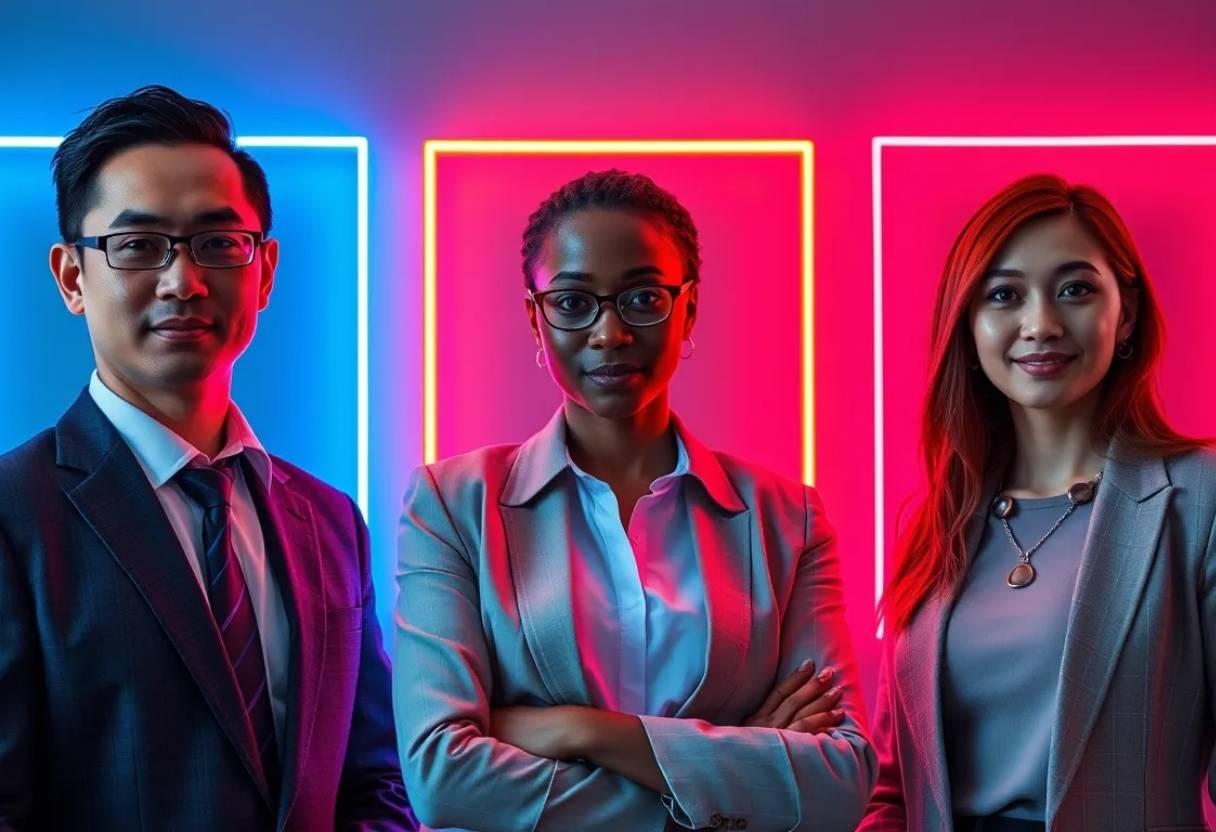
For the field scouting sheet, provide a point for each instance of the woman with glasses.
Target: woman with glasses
(612, 626)
(1052, 617)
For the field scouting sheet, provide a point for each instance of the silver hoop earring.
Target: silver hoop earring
(540, 358)
(692, 349)
(1124, 350)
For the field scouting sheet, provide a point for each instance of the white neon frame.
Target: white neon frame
(877, 145)
(359, 145)
(805, 150)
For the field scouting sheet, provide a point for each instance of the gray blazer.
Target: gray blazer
(484, 619)
(1134, 728)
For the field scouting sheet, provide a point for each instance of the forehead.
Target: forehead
(1044, 243)
(597, 239)
(173, 181)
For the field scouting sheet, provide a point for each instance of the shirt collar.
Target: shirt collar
(161, 452)
(544, 456)
(680, 470)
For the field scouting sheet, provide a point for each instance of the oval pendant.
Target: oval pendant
(1021, 576)
(1082, 492)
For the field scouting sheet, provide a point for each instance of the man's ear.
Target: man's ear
(268, 253)
(66, 268)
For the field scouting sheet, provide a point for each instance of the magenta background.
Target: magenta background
(741, 389)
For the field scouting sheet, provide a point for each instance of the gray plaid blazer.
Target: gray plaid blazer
(1134, 727)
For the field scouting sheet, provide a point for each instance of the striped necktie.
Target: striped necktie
(231, 604)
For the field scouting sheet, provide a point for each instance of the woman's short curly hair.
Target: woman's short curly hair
(614, 190)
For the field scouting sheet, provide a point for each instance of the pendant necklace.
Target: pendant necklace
(1023, 574)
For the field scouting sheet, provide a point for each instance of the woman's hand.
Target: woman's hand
(803, 702)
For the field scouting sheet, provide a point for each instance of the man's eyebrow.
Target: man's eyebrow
(132, 217)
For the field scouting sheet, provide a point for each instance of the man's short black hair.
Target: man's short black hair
(150, 115)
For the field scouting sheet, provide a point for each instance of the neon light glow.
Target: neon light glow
(803, 151)
(359, 145)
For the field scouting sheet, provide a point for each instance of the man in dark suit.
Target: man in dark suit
(187, 630)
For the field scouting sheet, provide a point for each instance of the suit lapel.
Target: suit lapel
(117, 501)
(536, 521)
(1119, 552)
(294, 554)
(538, 545)
(918, 663)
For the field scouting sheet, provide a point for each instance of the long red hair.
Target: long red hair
(966, 418)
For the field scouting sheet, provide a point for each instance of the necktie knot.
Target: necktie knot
(209, 486)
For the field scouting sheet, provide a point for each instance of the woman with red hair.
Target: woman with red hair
(1052, 616)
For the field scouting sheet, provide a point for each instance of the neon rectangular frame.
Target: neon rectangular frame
(359, 145)
(877, 146)
(433, 148)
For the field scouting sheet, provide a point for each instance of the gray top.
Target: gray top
(1001, 667)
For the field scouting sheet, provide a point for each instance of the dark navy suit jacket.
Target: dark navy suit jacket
(118, 709)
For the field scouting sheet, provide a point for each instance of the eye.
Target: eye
(220, 242)
(570, 303)
(1002, 294)
(644, 298)
(136, 244)
(1077, 289)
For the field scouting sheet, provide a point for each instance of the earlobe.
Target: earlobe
(1128, 313)
(270, 263)
(65, 268)
(528, 302)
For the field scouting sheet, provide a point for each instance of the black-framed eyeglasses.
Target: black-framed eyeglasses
(574, 309)
(224, 249)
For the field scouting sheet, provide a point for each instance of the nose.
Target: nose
(609, 331)
(181, 278)
(1040, 321)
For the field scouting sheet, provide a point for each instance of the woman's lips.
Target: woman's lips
(1044, 365)
(615, 376)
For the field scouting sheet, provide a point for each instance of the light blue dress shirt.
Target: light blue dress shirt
(639, 599)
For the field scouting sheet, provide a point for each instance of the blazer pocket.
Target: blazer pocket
(345, 620)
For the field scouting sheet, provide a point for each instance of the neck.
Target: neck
(639, 447)
(1055, 449)
(195, 412)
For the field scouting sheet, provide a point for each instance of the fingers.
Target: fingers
(808, 692)
(818, 723)
(784, 689)
(820, 705)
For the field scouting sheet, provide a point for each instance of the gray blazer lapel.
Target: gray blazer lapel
(117, 501)
(1119, 552)
(724, 554)
(918, 665)
(918, 657)
(538, 544)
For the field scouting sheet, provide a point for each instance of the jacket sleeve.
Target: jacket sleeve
(371, 794)
(457, 774)
(886, 810)
(1207, 612)
(20, 711)
(774, 779)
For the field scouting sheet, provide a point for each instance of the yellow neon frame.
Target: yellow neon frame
(433, 148)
